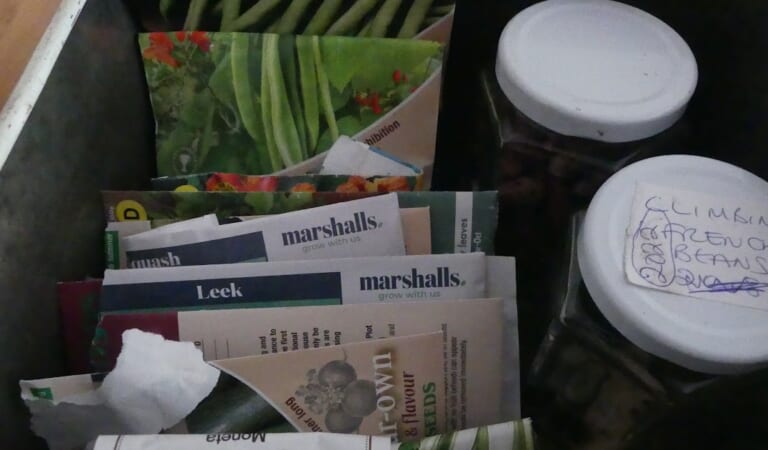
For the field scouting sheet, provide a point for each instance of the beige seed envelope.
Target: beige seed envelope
(388, 386)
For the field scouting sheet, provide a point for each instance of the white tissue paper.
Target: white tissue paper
(349, 157)
(155, 384)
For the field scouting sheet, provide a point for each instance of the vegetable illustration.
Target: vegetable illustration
(336, 392)
(359, 398)
(259, 103)
(337, 421)
(416, 15)
(286, 137)
(337, 374)
(308, 74)
(290, 20)
(378, 18)
(241, 82)
(196, 8)
(383, 18)
(323, 17)
(325, 94)
(346, 23)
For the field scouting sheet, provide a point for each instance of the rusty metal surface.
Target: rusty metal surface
(90, 129)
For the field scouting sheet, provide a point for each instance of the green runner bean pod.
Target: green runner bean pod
(323, 17)
(414, 19)
(194, 14)
(292, 16)
(230, 11)
(266, 112)
(283, 124)
(241, 82)
(383, 18)
(308, 76)
(325, 91)
(349, 21)
(252, 15)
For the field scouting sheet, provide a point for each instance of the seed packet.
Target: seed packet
(78, 309)
(295, 283)
(287, 283)
(461, 222)
(117, 233)
(392, 387)
(369, 226)
(243, 441)
(507, 436)
(263, 103)
(416, 233)
(474, 346)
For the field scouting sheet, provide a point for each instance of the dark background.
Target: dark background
(726, 121)
(726, 115)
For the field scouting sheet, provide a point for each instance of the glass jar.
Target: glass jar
(618, 358)
(580, 90)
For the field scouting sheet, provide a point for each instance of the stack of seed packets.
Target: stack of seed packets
(281, 276)
(326, 317)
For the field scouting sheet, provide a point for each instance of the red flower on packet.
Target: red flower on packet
(224, 182)
(303, 187)
(385, 184)
(260, 184)
(354, 184)
(161, 40)
(160, 47)
(399, 77)
(239, 183)
(391, 184)
(200, 38)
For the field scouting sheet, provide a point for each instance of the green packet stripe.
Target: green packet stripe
(112, 249)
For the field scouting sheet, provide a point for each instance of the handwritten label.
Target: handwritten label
(698, 245)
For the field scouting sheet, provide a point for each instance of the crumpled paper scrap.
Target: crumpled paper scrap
(349, 157)
(155, 384)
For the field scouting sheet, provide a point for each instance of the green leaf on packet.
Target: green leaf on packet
(251, 103)
(370, 66)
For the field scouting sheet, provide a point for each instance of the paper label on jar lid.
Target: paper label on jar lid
(698, 245)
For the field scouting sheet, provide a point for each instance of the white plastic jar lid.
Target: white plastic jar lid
(701, 335)
(595, 69)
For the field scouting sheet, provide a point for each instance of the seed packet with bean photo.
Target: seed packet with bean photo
(402, 18)
(264, 103)
(409, 130)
